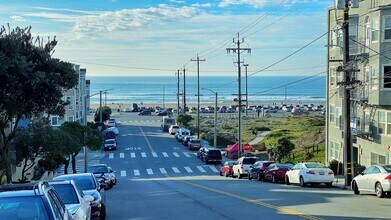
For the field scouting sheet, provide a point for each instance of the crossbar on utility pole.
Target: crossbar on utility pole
(239, 50)
(198, 93)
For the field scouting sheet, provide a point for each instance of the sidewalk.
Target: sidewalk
(259, 138)
(93, 157)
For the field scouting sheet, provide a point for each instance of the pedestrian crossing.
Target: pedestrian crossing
(149, 172)
(140, 121)
(152, 154)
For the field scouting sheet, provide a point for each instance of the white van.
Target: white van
(182, 133)
(167, 122)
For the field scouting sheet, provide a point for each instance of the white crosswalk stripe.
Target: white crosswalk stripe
(175, 154)
(188, 169)
(150, 171)
(121, 155)
(136, 172)
(187, 155)
(143, 154)
(111, 156)
(201, 169)
(165, 154)
(175, 170)
(213, 168)
(132, 155)
(154, 154)
(123, 173)
(163, 171)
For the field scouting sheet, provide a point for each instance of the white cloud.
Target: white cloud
(177, 1)
(253, 3)
(17, 18)
(199, 5)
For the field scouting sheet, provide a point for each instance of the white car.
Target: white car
(374, 179)
(242, 166)
(74, 199)
(111, 123)
(309, 172)
(113, 129)
(173, 129)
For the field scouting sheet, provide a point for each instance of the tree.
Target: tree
(32, 83)
(106, 112)
(281, 149)
(184, 120)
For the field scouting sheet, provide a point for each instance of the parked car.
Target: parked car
(309, 172)
(110, 135)
(127, 110)
(200, 151)
(90, 186)
(374, 179)
(211, 155)
(113, 129)
(31, 201)
(286, 108)
(135, 107)
(226, 169)
(194, 144)
(257, 169)
(276, 172)
(74, 199)
(111, 123)
(145, 112)
(186, 140)
(242, 166)
(110, 144)
(182, 133)
(102, 170)
(162, 113)
(173, 129)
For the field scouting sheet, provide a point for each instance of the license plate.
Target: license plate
(321, 173)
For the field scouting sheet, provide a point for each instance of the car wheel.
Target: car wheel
(287, 180)
(355, 188)
(259, 178)
(102, 214)
(329, 184)
(115, 181)
(111, 185)
(226, 174)
(239, 175)
(379, 190)
(302, 183)
(233, 175)
(221, 174)
(274, 179)
(249, 176)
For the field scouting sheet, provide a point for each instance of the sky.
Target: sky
(158, 37)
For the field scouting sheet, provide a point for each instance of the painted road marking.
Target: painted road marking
(163, 171)
(201, 169)
(165, 154)
(123, 173)
(213, 168)
(111, 155)
(149, 171)
(188, 169)
(121, 155)
(187, 155)
(175, 154)
(132, 155)
(143, 154)
(175, 170)
(136, 172)
(154, 154)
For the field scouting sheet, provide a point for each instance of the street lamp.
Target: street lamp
(215, 119)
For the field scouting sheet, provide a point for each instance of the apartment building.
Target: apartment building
(370, 57)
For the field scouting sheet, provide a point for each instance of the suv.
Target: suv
(31, 201)
(173, 129)
(242, 166)
(90, 186)
(211, 155)
(194, 144)
(102, 170)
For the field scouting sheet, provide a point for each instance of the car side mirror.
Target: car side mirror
(111, 171)
(362, 173)
(88, 198)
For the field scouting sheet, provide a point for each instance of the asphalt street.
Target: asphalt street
(159, 178)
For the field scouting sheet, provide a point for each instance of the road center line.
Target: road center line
(145, 137)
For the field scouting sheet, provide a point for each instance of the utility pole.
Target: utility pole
(184, 90)
(178, 94)
(239, 50)
(285, 97)
(164, 94)
(245, 66)
(100, 107)
(198, 94)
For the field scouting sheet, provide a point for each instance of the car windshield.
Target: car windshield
(214, 153)
(315, 165)
(84, 182)
(67, 193)
(387, 168)
(97, 169)
(195, 141)
(249, 160)
(22, 207)
(230, 163)
(110, 142)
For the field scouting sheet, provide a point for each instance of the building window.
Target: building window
(335, 149)
(77, 115)
(381, 128)
(377, 159)
(353, 29)
(387, 28)
(54, 121)
(387, 77)
(70, 105)
(374, 79)
(332, 114)
(388, 127)
(374, 3)
(332, 77)
(337, 116)
(375, 30)
(70, 119)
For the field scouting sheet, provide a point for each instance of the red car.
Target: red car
(276, 172)
(226, 169)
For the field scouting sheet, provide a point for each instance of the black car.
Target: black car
(211, 155)
(164, 113)
(31, 201)
(145, 112)
(256, 172)
(90, 186)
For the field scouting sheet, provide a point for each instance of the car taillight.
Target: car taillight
(388, 177)
(331, 172)
(310, 172)
(241, 166)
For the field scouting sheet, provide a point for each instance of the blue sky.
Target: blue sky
(148, 38)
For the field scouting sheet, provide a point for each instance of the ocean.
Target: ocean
(159, 89)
